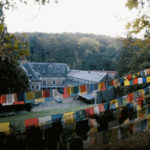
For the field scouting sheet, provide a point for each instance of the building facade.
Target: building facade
(58, 75)
(46, 75)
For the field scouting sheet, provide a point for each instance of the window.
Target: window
(44, 73)
(37, 86)
(63, 82)
(44, 83)
(54, 82)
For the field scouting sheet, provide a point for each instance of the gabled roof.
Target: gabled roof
(112, 74)
(87, 75)
(37, 70)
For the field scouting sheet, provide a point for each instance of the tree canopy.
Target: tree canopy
(135, 52)
(79, 51)
(12, 49)
(142, 20)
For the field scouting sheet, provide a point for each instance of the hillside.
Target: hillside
(79, 51)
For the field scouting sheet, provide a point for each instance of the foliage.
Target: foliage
(134, 57)
(79, 51)
(142, 21)
(7, 4)
(12, 78)
(89, 45)
(135, 52)
(12, 49)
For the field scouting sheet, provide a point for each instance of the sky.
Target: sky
(105, 17)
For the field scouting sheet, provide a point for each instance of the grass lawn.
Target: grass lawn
(17, 121)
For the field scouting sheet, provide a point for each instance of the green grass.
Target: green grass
(17, 121)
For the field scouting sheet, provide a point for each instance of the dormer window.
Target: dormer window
(44, 73)
(50, 66)
(54, 73)
(30, 76)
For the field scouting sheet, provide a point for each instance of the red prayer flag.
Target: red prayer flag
(148, 71)
(2, 99)
(135, 81)
(111, 82)
(66, 94)
(19, 103)
(89, 111)
(130, 98)
(46, 93)
(140, 100)
(129, 77)
(103, 88)
(83, 88)
(31, 122)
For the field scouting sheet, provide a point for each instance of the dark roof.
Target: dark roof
(29, 71)
(37, 69)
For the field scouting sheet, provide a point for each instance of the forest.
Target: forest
(79, 51)
(89, 51)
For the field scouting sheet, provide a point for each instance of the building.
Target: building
(46, 75)
(57, 75)
(78, 77)
(112, 74)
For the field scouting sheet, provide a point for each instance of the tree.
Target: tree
(12, 49)
(142, 21)
(135, 52)
(7, 4)
(89, 45)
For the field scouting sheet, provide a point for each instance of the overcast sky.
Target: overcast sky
(107, 17)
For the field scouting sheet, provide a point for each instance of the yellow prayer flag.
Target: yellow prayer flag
(39, 100)
(138, 74)
(29, 95)
(139, 107)
(134, 76)
(100, 86)
(4, 127)
(115, 101)
(126, 82)
(69, 118)
(148, 79)
(141, 92)
(116, 83)
(69, 90)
